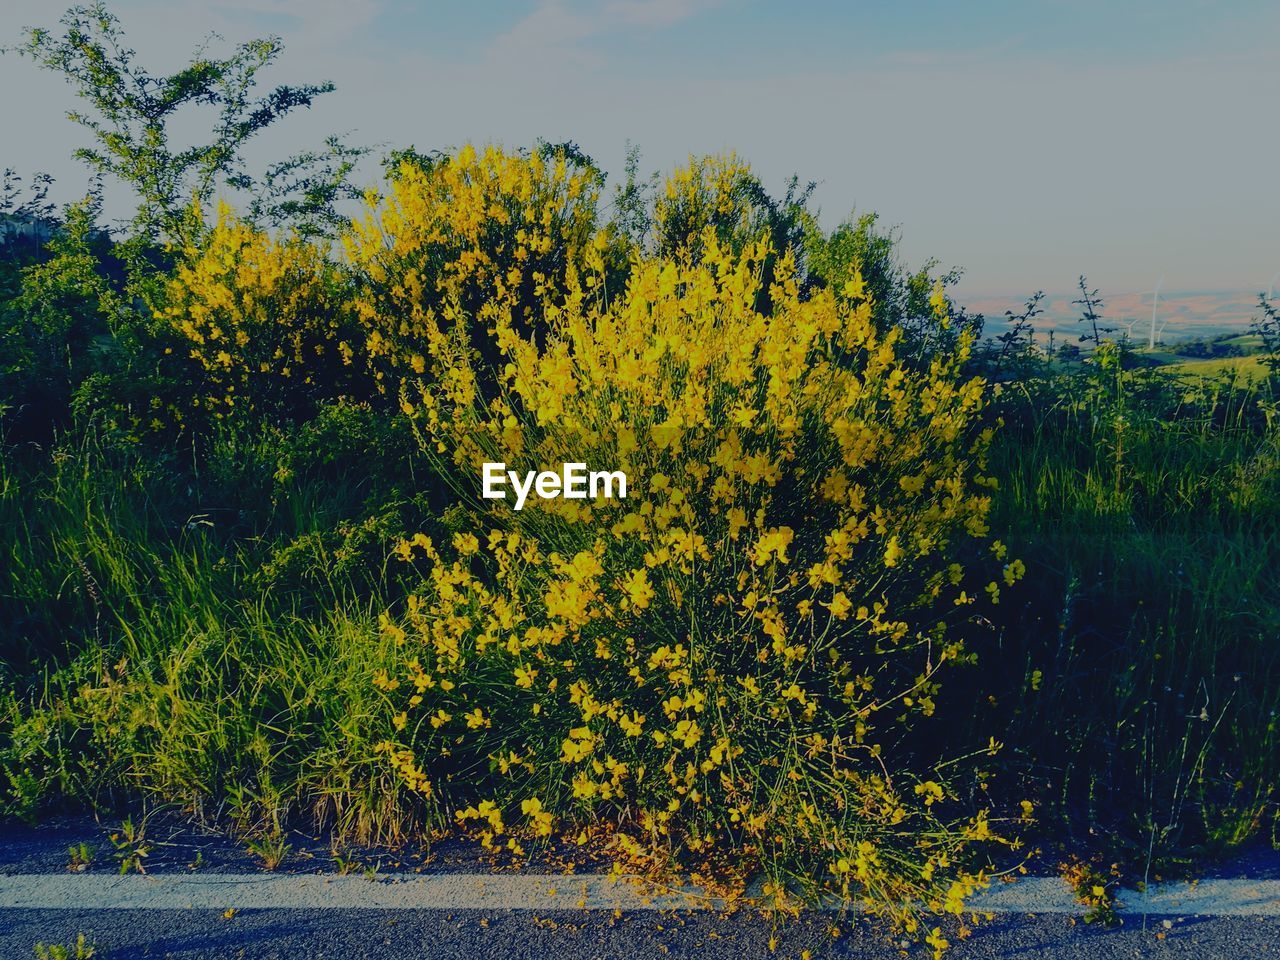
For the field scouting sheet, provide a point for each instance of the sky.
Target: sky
(1025, 141)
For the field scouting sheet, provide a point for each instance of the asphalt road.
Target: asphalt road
(572, 935)
(31, 858)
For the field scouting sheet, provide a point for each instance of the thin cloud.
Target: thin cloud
(557, 26)
(309, 18)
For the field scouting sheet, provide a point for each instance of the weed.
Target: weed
(344, 864)
(131, 848)
(79, 857)
(271, 850)
(1095, 890)
(81, 949)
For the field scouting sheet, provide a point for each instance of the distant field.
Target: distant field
(1247, 367)
(1250, 340)
(1181, 315)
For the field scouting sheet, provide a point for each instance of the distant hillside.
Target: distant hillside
(1180, 316)
(20, 228)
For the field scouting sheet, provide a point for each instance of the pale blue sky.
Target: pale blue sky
(1026, 142)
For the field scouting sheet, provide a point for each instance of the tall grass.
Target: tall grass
(1139, 674)
(184, 662)
(207, 638)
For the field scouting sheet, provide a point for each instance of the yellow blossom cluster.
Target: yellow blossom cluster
(714, 192)
(266, 321)
(459, 254)
(731, 657)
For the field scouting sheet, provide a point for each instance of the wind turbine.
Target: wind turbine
(1271, 289)
(1155, 303)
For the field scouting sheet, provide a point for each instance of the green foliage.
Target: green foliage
(181, 678)
(81, 343)
(26, 203)
(1012, 354)
(80, 949)
(131, 113)
(84, 338)
(57, 327)
(1223, 345)
(79, 857)
(131, 847)
(1094, 327)
(900, 297)
(271, 849)
(1267, 327)
(633, 200)
(25, 215)
(1144, 637)
(303, 192)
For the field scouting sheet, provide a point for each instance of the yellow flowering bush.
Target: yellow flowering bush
(460, 250)
(734, 660)
(267, 322)
(719, 192)
(737, 662)
(721, 196)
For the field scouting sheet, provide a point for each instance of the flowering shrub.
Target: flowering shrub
(736, 663)
(720, 196)
(463, 250)
(267, 321)
(733, 660)
(719, 192)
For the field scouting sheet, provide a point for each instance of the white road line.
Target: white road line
(1030, 895)
(314, 891)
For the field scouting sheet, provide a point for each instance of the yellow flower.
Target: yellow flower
(936, 940)
(893, 552)
(1014, 571)
(539, 818)
(773, 544)
(637, 588)
(742, 415)
(840, 605)
(932, 792)
(855, 286)
(578, 745)
(631, 724)
(912, 485)
(688, 732)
